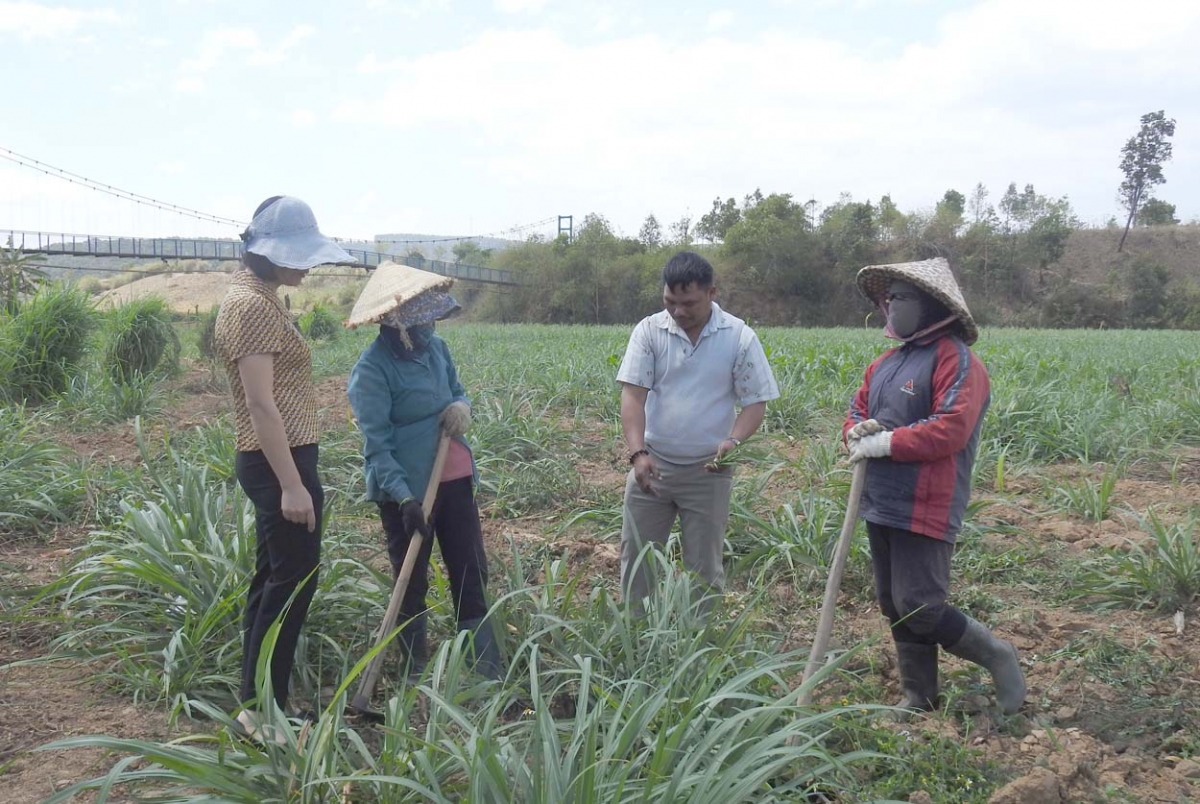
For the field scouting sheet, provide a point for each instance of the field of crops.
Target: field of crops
(125, 547)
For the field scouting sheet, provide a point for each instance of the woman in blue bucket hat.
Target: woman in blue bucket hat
(274, 400)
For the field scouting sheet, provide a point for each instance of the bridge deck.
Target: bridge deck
(174, 248)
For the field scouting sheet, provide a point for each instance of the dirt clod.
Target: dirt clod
(1039, 786)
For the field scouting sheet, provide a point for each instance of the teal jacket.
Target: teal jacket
(397, 403)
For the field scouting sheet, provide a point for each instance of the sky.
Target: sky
(455, 117)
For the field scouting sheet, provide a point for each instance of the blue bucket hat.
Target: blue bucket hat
(286, 233)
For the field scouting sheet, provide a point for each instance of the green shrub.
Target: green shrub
(1148, 295)
(320, 323)
(42, 345)
(139, 338)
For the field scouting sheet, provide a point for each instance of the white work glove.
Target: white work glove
(455, 419)
(875, 445)
(869, 427)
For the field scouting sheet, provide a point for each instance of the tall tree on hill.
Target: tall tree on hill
(1141, 161)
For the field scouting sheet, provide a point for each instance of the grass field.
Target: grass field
(124, 550)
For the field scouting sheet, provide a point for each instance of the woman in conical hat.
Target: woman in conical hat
(917, 418)
(405, 391)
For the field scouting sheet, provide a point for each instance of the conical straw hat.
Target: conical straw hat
(390, 286)
(932, 276)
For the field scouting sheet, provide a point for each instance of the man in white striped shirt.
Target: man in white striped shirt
(686, 372)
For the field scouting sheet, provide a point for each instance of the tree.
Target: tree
(713, 224)
(978, 205)
(1141, 161)
(18, 276)
(681, 232)
(1156, 212)
(468, 252)
(947, 220)
(651, 234)
(850, 233)
(892, 222)
(773, 244)
(1046, 239)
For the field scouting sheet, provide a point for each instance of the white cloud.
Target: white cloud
(1007, 90)
(370, 64)
(171, 168)
(412, 9)
(33, 20)
(303, 118)
(520, 6)
(719, 20)
(224, 44)
(279, 53)
(134, 86)
(189, 84)
(215, 44)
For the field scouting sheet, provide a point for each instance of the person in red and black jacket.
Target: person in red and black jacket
(917, 418)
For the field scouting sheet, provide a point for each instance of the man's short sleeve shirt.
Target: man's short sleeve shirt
(695, 388)
(253, 321)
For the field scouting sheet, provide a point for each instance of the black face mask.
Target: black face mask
(906, 306)
(420, 335)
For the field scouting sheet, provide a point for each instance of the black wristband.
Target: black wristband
(633, 456)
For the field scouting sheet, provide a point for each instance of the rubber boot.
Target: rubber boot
(415, 645)
(487, 651)
(918, 666)
(981, 646)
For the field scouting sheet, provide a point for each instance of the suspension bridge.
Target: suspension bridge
(221, 250)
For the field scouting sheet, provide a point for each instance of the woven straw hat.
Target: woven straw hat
(390, 286)
(932, 276)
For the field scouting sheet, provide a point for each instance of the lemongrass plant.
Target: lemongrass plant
(598, 705)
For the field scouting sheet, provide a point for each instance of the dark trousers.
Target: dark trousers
(912, 580)
(457, 530)
(288, 556)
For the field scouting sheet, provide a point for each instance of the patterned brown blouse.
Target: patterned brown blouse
(253, 321)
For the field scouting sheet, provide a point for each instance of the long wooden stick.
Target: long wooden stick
(834, 583)
(366, 687)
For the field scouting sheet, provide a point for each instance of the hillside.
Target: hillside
(1091, 255)
(183, 293)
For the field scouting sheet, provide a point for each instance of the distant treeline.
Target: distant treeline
(1024, 261)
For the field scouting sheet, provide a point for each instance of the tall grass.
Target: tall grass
(44, 343)
(41, 483)
(155, 599)
(140, 340)
(320, 323)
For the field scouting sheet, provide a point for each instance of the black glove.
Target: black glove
(414, 519)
